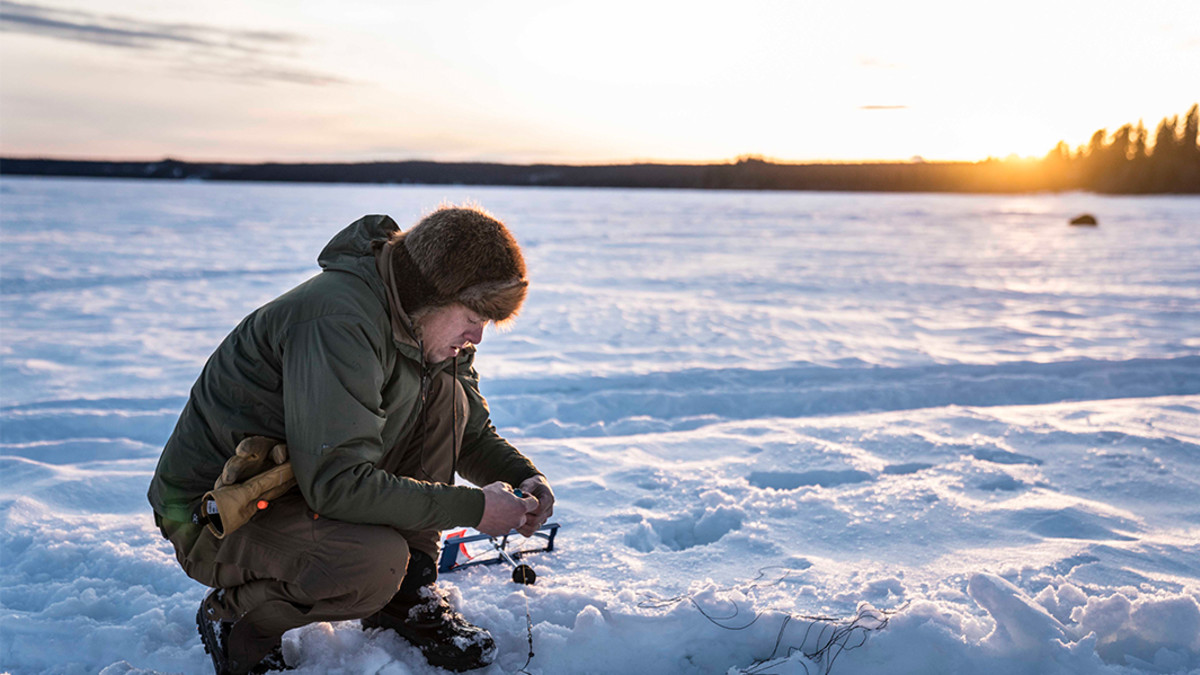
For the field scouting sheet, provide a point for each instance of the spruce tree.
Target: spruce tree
(1094, 163)
(1190, 125)
(1138, 164)
(1188, 178)
(1114, 171)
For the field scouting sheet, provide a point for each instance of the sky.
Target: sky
(585, 82)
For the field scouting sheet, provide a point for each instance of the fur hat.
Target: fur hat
(463, 255)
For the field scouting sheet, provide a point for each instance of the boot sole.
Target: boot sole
(209, 639)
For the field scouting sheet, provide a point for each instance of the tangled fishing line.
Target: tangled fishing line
(824, 638)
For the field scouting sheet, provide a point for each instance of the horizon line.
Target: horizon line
(916, 159)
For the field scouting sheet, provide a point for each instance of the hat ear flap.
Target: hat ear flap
(496, 300)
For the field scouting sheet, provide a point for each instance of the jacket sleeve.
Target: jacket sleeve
(486, 457)
(332, 383)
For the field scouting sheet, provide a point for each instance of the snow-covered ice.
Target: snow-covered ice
(971, 426)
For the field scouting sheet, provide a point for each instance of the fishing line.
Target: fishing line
(829, 647)
(835, 635)
(529, 629)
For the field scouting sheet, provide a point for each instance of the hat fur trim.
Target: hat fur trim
(499, 301)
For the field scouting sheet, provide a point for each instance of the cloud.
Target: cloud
(251, 72)
(231, 53)
(883, 107)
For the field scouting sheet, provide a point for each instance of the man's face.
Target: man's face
(446, 330)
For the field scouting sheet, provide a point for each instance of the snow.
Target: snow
(933, 433)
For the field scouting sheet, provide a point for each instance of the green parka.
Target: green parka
(320, 368)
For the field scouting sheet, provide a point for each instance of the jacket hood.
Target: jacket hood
(352, 250)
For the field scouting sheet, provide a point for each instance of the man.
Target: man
(361, 380)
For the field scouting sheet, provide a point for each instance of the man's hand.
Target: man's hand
(537, 487)
(503, 511)
(254, 455)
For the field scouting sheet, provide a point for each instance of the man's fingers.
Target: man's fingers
(533, 525)
(254, 447)
(235, 468)
(505, 511)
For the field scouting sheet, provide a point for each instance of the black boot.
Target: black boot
(214, 634)
(422, 616)
(445, 638)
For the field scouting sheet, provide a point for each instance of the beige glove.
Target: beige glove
(252, 456)
(258, 472)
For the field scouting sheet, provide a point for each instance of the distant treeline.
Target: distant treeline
(1124, 162)
(747, 173)
(1127, 162)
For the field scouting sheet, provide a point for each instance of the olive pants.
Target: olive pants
(288, 566)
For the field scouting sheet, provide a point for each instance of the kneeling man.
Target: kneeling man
(359, 383)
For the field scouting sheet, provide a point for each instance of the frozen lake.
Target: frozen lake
(955, 408)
